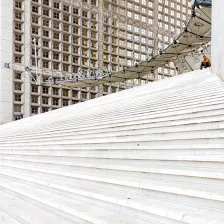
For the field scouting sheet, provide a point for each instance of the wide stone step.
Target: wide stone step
(131, 172)
(166, 113)
(5, 218)
(168, 209)
(153, 154)
(149, 105)
(211, 115)
(185, 107)
(25, 212)
(109, 162)
(205, 118)
(158, 105)
(217, 155)
(208, 136)
(118, 115)
(89, 188)
(180, 144)
(81, 209)
(218, 123)
(192, 119)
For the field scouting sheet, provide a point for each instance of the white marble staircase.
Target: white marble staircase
(153, 154)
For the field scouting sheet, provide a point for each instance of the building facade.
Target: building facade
(73, 37)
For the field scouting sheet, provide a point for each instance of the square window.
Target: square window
(65, 103)
(18, 4)
(34, 110)
(45, 90)
(56, 5)
(17, 97)
(44, 100)
(55, 102)
(55, 91)
(17, 108)
(66, 8)
(34, 99)
(18, 86)
(46, 2)
(34, 89)
(45, 109)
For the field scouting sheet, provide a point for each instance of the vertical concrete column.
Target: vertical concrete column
(155, 34)
(60, 99)
(155, 75)
(6, 56)
(109, 89)
(218, 39)
(100, 35)
(100, 42)
(80, 94)
(27, 60)
(155, 25)
(50, 98)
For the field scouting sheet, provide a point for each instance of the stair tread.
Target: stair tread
(167, 111)
(163, 185)
(7, 219)
(116, 132)
(27, 212)
(152, 205)
(205, 135)
(81, 209)
(170, 155)
(183, 117)
(149, 155)
(119, 165)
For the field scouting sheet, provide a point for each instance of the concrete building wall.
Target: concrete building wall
(78, 36)
(6, 49)
(27, 52)
(218, 39)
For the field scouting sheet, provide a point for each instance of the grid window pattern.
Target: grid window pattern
(71, 39)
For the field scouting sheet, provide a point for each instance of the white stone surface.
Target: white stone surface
(6, 56)
(152, 154)
(218, 39)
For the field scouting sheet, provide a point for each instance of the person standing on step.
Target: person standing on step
(21, 116)
(205, 62)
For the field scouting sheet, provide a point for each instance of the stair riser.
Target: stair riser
(111, 163)
(151, 213)
(167, 112)
(182, 114)
(211, 203)
(129, 178)
(169, 155)
(217, 118)
(116, 132)
(59, 212)
(143, 156)
(197, 137)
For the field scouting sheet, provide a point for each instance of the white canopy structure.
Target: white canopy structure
(204, 3)
(195, 35)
